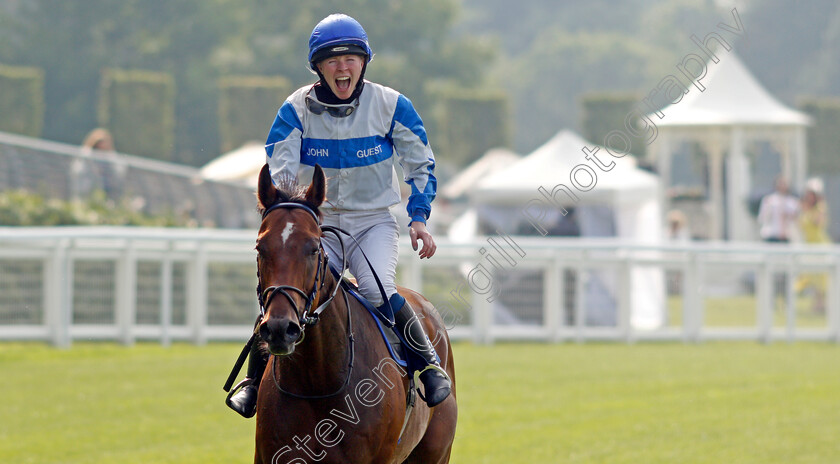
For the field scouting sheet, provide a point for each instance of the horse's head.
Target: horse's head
(291, 263)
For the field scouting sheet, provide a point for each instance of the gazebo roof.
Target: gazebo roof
(732, 97)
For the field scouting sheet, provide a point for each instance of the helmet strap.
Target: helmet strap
(325, 94)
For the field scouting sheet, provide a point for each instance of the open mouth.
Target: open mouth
(342, 84)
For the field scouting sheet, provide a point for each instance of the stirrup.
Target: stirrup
(236, 388)
(433, 367)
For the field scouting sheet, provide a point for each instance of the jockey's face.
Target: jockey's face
(342, 73)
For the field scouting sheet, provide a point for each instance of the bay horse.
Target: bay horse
(331, 392)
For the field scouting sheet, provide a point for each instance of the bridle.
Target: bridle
(309, 317)
(306, 317)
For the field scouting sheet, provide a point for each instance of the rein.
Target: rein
(351, 356)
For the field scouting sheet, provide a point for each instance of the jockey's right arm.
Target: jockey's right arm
(282, 148)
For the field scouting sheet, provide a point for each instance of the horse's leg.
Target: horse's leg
(436, 444)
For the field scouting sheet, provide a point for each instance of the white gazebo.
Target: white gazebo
(727, 120)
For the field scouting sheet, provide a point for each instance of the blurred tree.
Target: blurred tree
(411, 41)
(198, 41)
(670, 24)
(520, 23)
(823, 135)
(561, 50)
(561, 67)
(73, 41)
(549, 52)
(803, 58)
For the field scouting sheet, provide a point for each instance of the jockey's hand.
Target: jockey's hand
(417, 230)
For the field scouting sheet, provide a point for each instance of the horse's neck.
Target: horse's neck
(320, 361)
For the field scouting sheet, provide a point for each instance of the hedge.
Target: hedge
(823, 135)
(22, 208)
(470, 123)
(21, 100)
(138, 107)
(604, 112)
(247, 106)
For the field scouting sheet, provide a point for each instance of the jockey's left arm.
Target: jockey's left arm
(418, 164)
(417, 230)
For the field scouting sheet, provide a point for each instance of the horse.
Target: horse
(331, 392)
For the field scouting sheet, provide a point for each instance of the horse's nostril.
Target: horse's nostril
(280, 333)
(292, 332)
(265, 334)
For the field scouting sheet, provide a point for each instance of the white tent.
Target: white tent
(623, 203)
(625, 192)
(494, 160)
(732, 112)
(241, 165)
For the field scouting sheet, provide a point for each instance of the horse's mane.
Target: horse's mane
(290, 191)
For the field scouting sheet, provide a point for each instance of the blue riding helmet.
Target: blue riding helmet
(338, 34)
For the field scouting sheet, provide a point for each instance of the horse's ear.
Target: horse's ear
(317, 191)
(266, 192)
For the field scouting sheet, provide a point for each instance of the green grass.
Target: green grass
(528, 403)
(742, 311)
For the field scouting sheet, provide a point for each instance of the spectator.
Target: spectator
(777, 223)
(777, 214)
(107, 170)
(812, 224)
(677, 226)
(99, 139)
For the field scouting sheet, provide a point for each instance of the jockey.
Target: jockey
(356, 129)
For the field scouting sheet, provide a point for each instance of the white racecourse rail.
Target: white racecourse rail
(62, 284)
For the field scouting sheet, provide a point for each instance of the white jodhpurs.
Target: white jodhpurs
(378, 234)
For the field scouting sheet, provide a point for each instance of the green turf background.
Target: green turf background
(519, 403)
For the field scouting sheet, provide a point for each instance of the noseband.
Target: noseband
(307, 317)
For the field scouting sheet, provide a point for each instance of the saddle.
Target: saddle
(398, 348)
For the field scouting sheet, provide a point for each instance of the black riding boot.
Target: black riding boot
(435, 380)
(245, 400)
